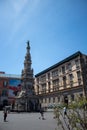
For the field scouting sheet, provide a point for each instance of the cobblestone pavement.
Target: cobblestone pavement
(28, 121)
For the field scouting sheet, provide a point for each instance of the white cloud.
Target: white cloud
(18, 6)
(17, 14)
(23, 10)
(24, 6)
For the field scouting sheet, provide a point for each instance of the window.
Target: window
(53, 99)
(55, 84)
(70, 77)
(78, 74)
(63, 69)
(49, 86)
(45, 100)
(48, 75)
(44, 88)
(55, 73)
(77, 64)
(43, 78)
(71, 80)
(64, 81)
(49, 99)
(59, 71)
(69, 66)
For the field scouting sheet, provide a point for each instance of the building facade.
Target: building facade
(9, 85)
(62, 82)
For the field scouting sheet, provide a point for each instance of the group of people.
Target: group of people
(5, 111)
(41, 112)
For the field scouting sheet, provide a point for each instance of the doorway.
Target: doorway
(66, 100)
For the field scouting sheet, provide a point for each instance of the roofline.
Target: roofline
(60, 63)
(13, 76)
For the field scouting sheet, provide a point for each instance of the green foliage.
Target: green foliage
(80, 103)
(76, 118)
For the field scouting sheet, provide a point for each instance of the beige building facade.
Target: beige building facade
(62, 82)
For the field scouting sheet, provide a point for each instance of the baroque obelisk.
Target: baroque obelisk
(26, 99)
(27, 74)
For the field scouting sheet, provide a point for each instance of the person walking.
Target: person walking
(65, 111)
(5, 114)
(42, 114)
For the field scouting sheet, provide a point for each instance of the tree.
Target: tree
(76, 118)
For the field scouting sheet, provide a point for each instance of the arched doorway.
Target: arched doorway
(66, 99)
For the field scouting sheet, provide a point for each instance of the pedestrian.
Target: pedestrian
(42, 114)
(65, 111)
(5, 114)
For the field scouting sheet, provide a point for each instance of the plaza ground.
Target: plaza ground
(28, 121)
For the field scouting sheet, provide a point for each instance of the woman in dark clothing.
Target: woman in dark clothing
(42, 114)
(5, 114)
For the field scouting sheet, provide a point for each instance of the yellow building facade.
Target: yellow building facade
(62, 82)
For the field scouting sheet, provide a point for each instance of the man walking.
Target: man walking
(5, 114)
(65, 111)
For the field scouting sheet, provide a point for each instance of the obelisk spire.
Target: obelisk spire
(27, 72)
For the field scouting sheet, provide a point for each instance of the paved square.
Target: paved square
(28, 121)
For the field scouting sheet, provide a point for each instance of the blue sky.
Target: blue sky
(55, 28)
